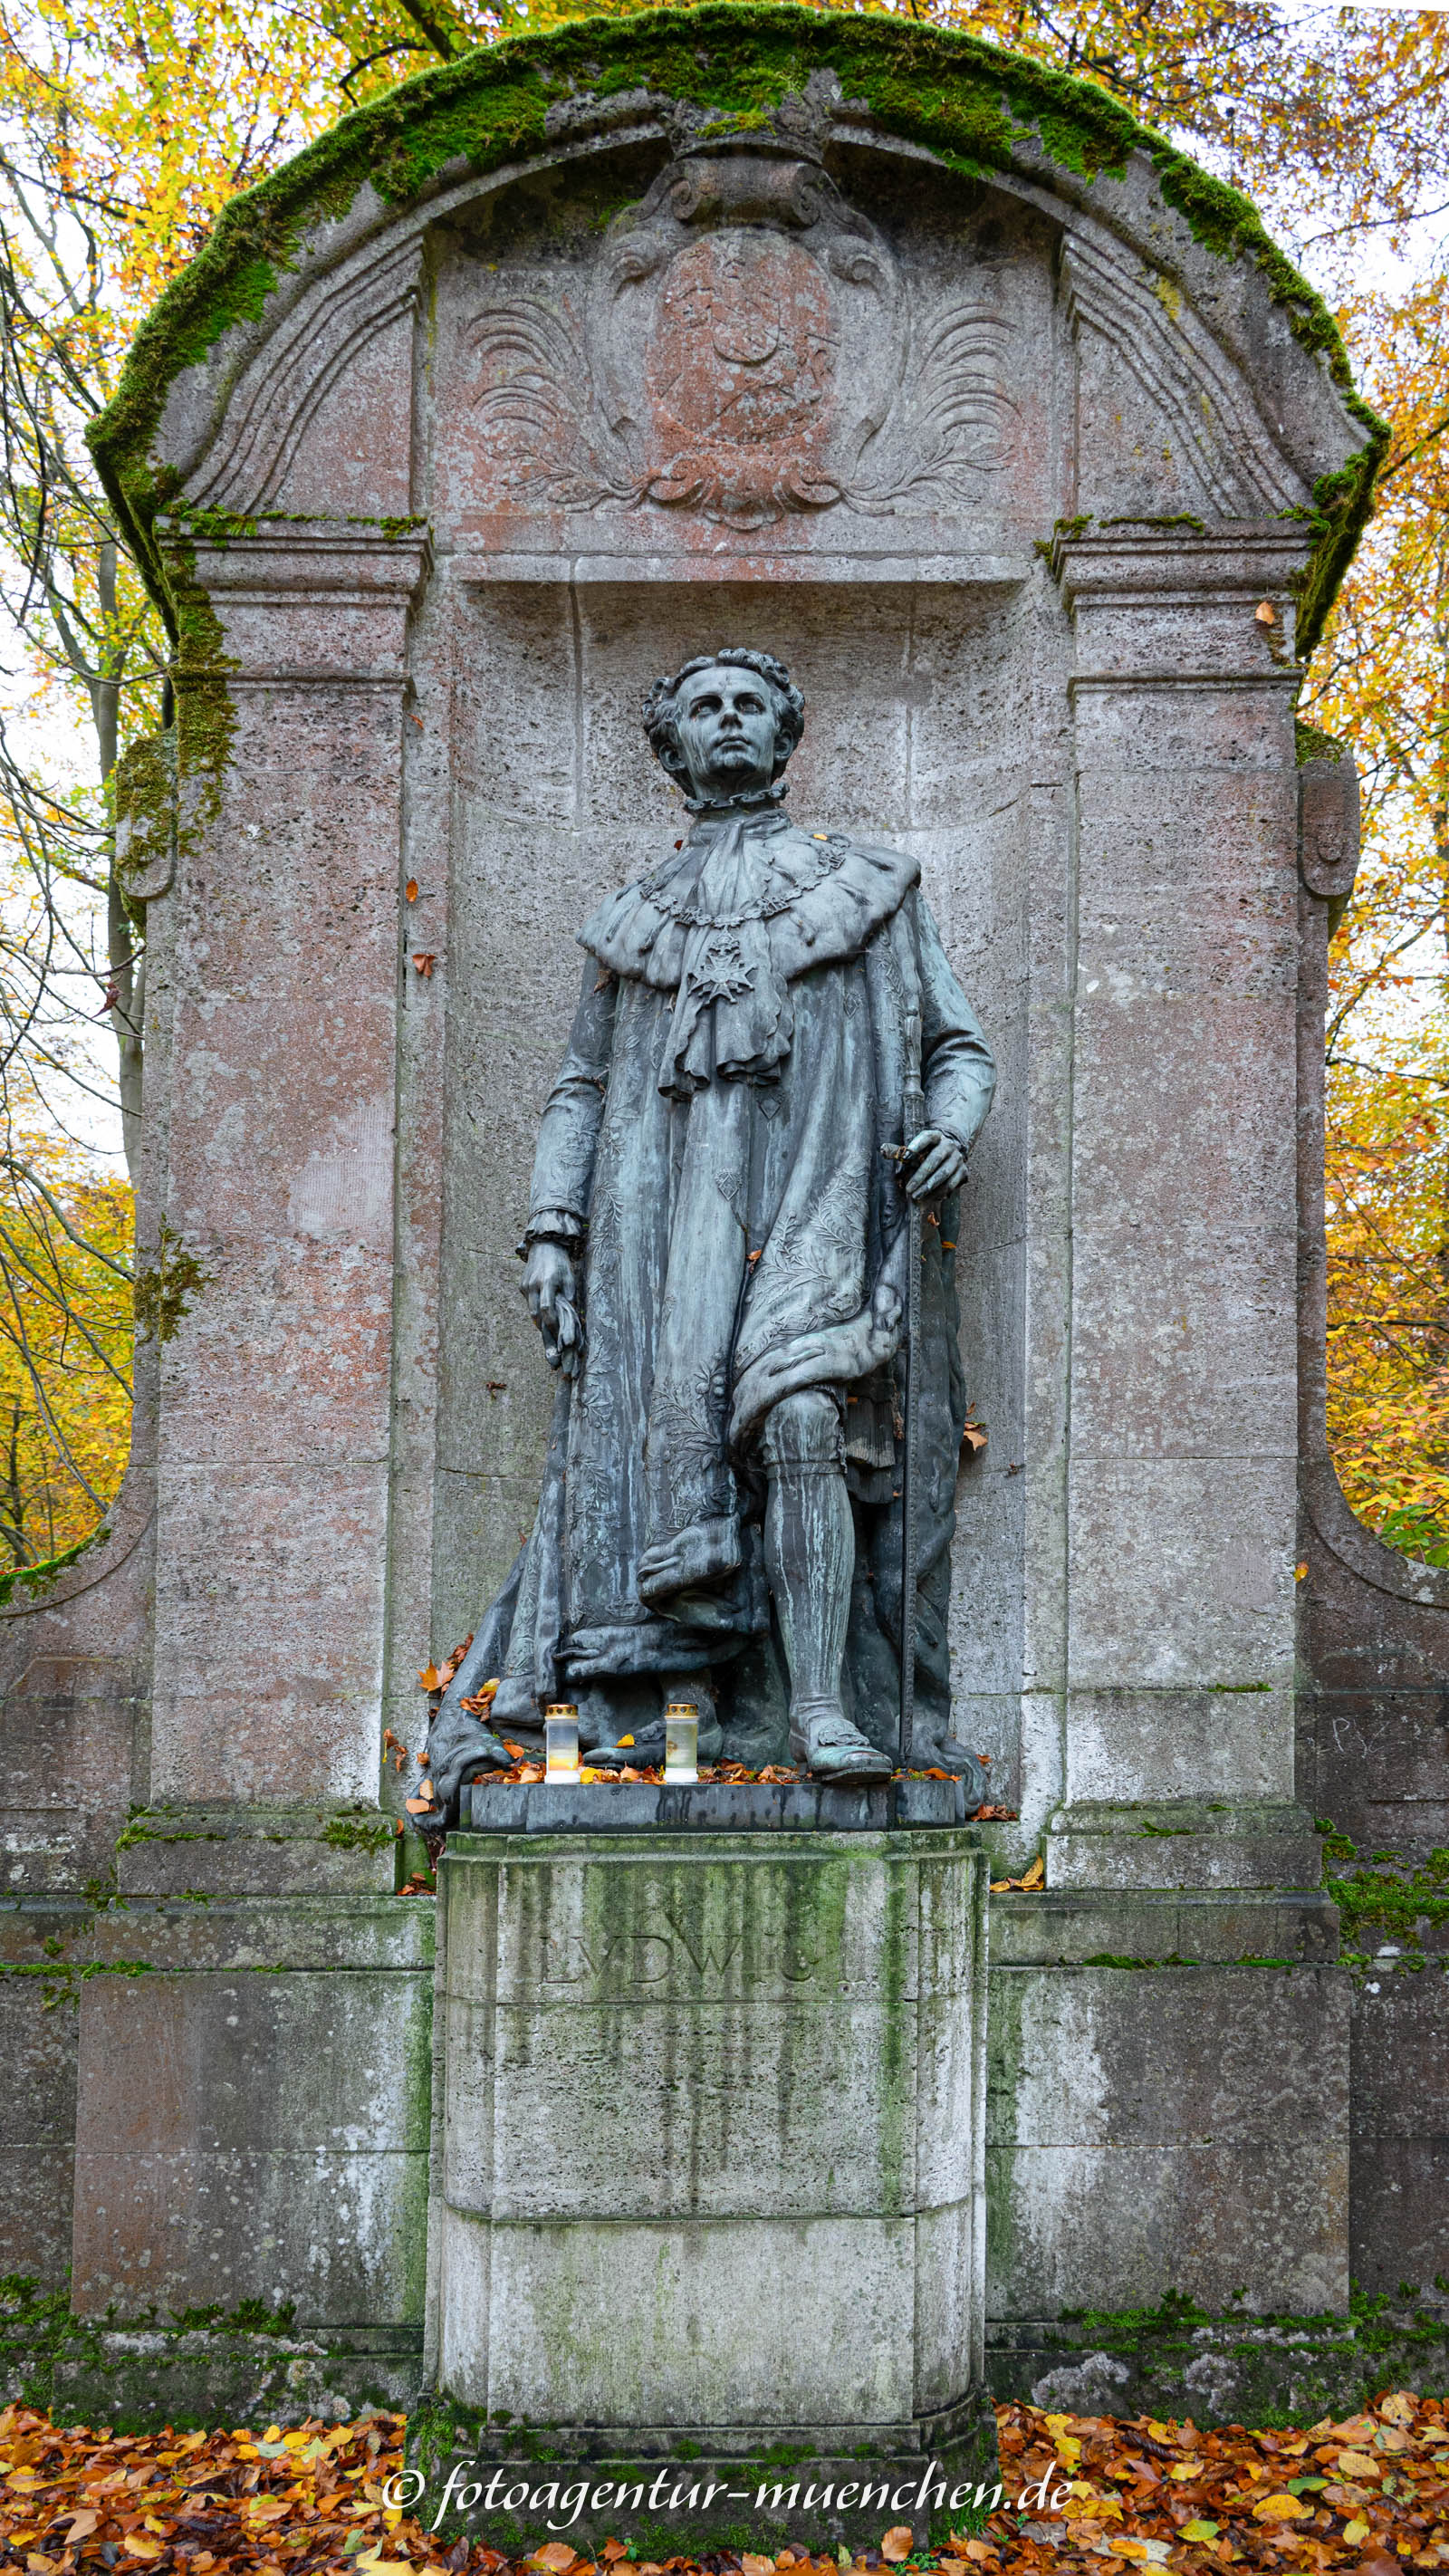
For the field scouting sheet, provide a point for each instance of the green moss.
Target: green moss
(161, 1292)
(205, 716)
(1393, 1907)
(1178, 519)
(249, 2316)
(975, 106)
(143, 792)
(34, 1578)
(1311, 743)
(372, 1834)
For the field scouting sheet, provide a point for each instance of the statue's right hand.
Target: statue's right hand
(549, 1286)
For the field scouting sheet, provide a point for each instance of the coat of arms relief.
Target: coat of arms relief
(745, 347)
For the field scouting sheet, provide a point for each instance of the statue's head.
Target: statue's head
(726, 722)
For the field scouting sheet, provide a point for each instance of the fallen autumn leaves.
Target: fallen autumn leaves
(1370, 2494)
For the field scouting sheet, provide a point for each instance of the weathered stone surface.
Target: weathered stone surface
(717, 1807)
(237, 1851)
(1224, 2370)
(37, 2115)
(1400, 2126)
(158, 2376)
(706, 2322)
(1069, 1928)
(1165, 2128)
(276, 2149)
(773, 2048)
(1185, 1842)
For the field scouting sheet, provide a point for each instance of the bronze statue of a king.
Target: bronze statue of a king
(717, 1261)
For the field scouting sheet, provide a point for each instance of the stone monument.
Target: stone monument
(1008, 433)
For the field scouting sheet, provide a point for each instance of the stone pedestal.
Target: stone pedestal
(710, 2163)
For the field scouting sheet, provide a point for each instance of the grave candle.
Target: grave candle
(561, 1741)
(681, 1741)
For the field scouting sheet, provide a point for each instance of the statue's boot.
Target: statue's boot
(810, 1558)
(831, 1746)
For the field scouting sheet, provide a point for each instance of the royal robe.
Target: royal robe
(716, 1155)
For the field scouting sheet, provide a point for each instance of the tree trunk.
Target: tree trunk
(127, 980)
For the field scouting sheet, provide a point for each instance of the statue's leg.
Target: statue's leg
(810, 1559)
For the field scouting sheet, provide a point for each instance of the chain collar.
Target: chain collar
(748, 796)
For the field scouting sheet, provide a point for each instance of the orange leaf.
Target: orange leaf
(412, 889)
(898, 2543)
(556, 2556)
(430, 1679)
(141, 2545)
(613, 2549)
(425, 960)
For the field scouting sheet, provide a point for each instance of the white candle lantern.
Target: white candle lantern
(681, 1742)
(561, 1741)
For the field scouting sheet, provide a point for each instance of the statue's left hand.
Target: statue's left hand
(933, 1164)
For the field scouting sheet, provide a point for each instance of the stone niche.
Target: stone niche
(586, 354)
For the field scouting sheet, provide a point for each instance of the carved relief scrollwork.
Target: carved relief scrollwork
(746, 348)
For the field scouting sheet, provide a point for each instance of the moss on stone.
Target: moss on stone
(1311, 743)
(360, 1833)
(162, 1290)
(1395, 1904)
(143, 791)
(35, 1578)
(975, 106)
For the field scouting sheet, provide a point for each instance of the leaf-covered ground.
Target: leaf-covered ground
(1369, 2494)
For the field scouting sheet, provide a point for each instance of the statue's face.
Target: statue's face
(725, 718)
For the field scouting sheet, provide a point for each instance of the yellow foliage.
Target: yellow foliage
(65, 1347)
(1381, 679)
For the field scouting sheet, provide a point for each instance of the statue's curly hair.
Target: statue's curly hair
(659, 706)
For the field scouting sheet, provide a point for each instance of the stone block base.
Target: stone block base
(252, 2102)
(1218, 2370)
(1167, 2120)
(141, 2379)
(1218, 1844)
(710, 2155)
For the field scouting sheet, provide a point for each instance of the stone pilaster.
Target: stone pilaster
(273, 1444)
(1181, 1439)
